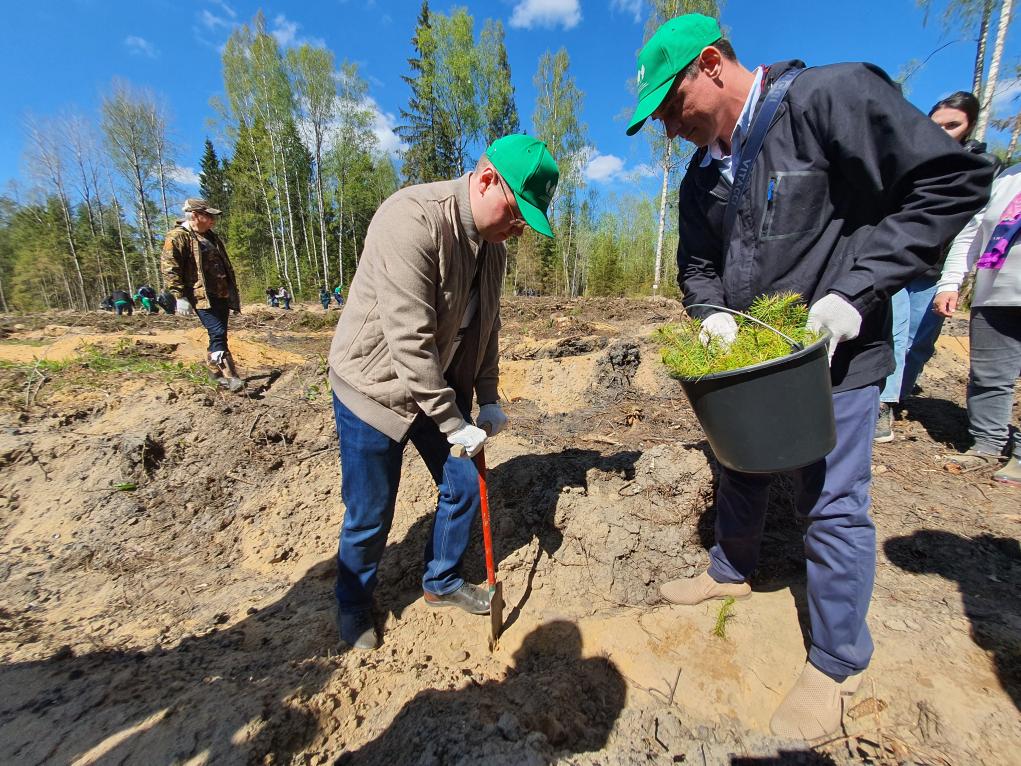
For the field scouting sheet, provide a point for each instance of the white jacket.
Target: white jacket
(992, 287)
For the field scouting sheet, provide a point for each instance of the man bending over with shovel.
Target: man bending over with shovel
(418, 336)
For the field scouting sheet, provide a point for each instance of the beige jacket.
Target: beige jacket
(396, 336)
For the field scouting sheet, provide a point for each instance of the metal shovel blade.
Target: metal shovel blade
(495, 615)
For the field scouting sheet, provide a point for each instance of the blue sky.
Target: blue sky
(63, 55)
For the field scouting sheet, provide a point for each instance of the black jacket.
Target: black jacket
(865, 192)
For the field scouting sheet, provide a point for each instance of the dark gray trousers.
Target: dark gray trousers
(995, 366)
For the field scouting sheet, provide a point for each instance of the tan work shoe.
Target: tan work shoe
(814, 707)
(695, 590)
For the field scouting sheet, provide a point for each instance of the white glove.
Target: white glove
(720, 327)
(469, 437)
(184, 307)
(833, 313)
(491, 419)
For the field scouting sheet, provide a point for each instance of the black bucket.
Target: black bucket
(769, 417)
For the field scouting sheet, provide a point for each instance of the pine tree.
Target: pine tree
(426, 130)
(213, 179)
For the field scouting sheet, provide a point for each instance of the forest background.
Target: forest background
(299, 153)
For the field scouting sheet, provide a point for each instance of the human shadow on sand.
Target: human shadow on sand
(987, 570)
(553, 704)
(944, 421)
(523, 495)
(221, 695)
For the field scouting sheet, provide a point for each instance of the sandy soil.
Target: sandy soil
(166, 568)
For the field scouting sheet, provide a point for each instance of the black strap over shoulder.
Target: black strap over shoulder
(752, 147)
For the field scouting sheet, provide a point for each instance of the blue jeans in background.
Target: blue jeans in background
(370, 465)
(214, 319)
(840, 539)
(915, 330)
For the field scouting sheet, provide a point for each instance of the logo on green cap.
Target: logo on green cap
(675, 45)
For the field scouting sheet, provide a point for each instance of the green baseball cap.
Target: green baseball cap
(531, 173)
(675, 45)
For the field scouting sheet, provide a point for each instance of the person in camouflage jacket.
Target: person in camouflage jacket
(199, 274)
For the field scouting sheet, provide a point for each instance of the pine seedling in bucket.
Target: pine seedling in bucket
(686, 357)
(765, 401)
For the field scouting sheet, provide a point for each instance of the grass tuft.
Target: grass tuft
(724, 616)
(686, 357)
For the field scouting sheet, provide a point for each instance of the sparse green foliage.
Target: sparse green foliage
(723, 616)
(687, 357)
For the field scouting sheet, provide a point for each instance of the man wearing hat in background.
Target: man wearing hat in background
(853, 193)
(199, 275)
(418, 337)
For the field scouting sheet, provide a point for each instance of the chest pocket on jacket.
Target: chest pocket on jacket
(795, 203)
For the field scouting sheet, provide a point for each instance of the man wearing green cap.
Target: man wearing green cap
(845, 195)
(419, 337)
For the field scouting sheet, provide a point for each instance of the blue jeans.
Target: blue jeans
(840, 540)
(370, 464)
(214, 319)
(915, 330)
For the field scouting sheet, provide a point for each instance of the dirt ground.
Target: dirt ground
(166, 566)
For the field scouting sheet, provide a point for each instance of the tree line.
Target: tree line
(299, 170)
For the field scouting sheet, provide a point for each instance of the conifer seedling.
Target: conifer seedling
(686, 357)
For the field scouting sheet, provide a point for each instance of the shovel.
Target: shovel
(495, 588)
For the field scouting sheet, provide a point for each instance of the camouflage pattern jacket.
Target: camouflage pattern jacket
(186, 270)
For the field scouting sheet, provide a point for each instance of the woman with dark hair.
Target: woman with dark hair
(915, 325)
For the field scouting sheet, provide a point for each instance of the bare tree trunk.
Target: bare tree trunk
(74, 251)
(322, 211)
(1014, 134)
(3, 298)
(290, 221)
(120, 237)
(994, 70)
(657, 269)
(980, 51)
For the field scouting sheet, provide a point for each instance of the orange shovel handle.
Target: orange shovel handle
(487, 534)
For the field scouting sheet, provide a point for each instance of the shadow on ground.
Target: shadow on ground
(222, 695)
(555, 703)
(523, 496)
(987, 570)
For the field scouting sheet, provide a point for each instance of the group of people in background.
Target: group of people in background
(123, 302)
(275, 296)
(919, 309)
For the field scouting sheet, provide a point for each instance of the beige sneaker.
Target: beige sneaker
(814, 707)
(695, 590)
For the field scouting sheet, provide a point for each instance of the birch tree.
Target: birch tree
(128, 136)
(1006, 11)
(48, 165)
(312, 70)
(556, 121)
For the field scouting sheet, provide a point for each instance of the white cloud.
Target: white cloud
(546, 13)
(139, 46)
(226, 8)
(634, 7)
(604, 168)
(212, 21)
(184, 176)
(383, 125)
(286, 34)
